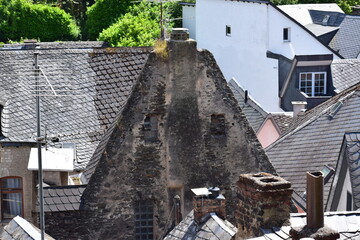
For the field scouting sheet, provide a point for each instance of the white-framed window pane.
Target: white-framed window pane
(313, 84)
(319, 84)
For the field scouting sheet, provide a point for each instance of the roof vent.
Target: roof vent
(334, 109)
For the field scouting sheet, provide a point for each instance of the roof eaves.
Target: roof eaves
(307, 30)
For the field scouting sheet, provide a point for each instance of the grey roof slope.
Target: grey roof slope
(346, 223)
(63, 198)
(347, 39)
(315, 139)
(212, 227)
(58, 45)
(92, 84)
(345, 73)
(282, 120)
(333, 18)
(352, 146)
(20, 229)
(252, 110)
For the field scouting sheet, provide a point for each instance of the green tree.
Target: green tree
(139, 27)
(21, 19)
(102, 14)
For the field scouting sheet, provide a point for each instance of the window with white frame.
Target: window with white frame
(313, 83)
(286, 34)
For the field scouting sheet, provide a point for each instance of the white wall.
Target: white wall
(188, 15)
(346, 188)
(255, 29)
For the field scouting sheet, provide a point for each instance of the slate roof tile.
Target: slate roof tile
(67, 198)
(69, 117)
(314, 139)
(253, 112)
(347, 38)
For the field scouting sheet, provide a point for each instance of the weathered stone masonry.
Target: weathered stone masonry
(180, 129)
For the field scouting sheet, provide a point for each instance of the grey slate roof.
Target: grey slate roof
(282, 120)
(93, 85)
(315, 138)
(352, 146)
(64, 198)
(212, 227)
(345, 73)
(252, 110)
(347, 39)
(20, 229)
(333, 18)
(346, 223)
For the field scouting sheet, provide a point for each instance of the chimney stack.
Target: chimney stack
(314, 227)
(355, 10)
(179, 34)
(207, 201)
(298, 106)
(264, 202)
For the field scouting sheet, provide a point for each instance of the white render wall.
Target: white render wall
(255, 29)
(188, 15)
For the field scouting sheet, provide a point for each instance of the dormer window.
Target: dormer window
(313, 83)
(286, 34)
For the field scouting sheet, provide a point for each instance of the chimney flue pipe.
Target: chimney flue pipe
(315, 199)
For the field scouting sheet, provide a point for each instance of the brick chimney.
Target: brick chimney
(179, 34)
(206, 201)
(298, 107)
(264, 202)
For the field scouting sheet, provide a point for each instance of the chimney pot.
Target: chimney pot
(298, 106)
(315, 199)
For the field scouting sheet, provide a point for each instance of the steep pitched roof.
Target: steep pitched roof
(314, 139)
(352, 156)
(346, 223)
(345, 73)
(64, 198)
(92, 85)
(212, 227)
(347, 40)
(253, 111)
(20, 229)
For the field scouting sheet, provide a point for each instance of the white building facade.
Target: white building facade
(241, 33)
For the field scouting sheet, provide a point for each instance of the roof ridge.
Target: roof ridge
(311, 119)
(66, 186)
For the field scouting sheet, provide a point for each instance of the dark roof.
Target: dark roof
(211, 227)
(252, 110)
(345, 73)
(63, 198)
(282, 120)
(93, 85)
(20, 229)
(347, 39)
(57, 45)
(346, 223)
(326, 18)
(352, 156)
(314, 139)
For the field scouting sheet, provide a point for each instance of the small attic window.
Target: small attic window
(228, 30)
(286, 34)
(217, 125)
(150, 128)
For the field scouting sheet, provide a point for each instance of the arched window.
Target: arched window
(11, 197)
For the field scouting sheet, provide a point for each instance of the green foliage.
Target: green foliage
(102, 14)
(23, 19)
(139, 27)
